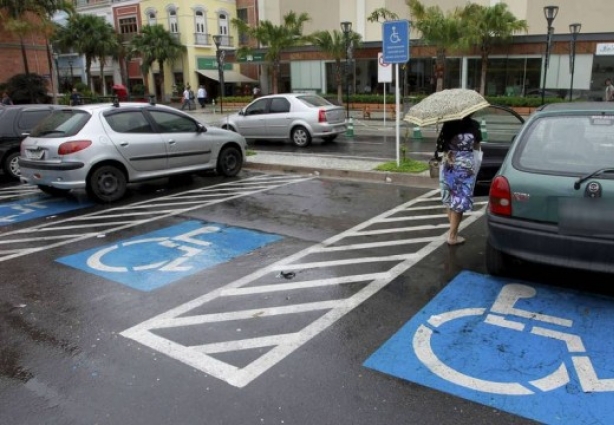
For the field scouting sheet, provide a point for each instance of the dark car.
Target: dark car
(552, 200)
(16, 122)
(500, 125)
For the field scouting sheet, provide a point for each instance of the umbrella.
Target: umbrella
(446, 105)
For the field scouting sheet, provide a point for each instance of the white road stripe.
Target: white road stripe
(284, 344)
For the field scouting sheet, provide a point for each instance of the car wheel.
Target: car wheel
(229, 161)
(496, 261)
(106, 183)
(11, 165)
(53, 191)
(300, 136)
(329, 138)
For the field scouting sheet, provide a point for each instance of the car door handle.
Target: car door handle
(172, 142)
(124, 144)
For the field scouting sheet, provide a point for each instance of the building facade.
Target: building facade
(514, 68)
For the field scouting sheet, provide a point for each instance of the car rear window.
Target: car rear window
(64, 123)
(567, 144)
(312, 100)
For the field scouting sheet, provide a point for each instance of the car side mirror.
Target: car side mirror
(242, 112)
(201, 128)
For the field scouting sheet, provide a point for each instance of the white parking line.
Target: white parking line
(265, 281)
(38, 238)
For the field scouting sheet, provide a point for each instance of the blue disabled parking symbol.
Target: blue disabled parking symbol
(159, 258)
(41, 206)
(541, 352)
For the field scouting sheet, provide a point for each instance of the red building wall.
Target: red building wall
(11, 58)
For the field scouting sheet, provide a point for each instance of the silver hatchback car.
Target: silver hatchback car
(298, 117)
(103, 147)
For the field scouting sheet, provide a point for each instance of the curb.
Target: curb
(405, 179)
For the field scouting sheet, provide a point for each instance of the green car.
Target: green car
(552, 201)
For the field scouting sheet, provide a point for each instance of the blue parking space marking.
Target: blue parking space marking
(156, 259)
(41, 206)
(540, 352)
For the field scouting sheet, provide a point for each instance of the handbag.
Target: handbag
(434, 166)
(477, 157)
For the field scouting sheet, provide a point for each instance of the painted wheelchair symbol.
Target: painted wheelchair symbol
(394, 37)
(183, 243)
(504, 305)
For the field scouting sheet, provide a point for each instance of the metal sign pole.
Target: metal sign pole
(396, 95)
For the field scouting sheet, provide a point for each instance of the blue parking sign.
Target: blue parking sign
(395, 41)
(535, 351)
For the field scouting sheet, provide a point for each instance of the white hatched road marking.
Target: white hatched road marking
(19, 191)
(283, 344)
(38, 238)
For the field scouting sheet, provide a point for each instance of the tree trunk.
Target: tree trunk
(276, 66)
(88, 73)
(161, 66)
(24, 56)
(440, 63)
(339, 82)
(104, 83)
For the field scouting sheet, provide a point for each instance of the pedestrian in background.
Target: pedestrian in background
(186, 98)
(6, 100)
(458, 140)
(256, 92)
(609, 90)
(201, 95)
(75, 98)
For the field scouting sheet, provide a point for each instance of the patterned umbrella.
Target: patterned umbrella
(446, 105)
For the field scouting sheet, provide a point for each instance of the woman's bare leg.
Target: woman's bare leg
(455, 220)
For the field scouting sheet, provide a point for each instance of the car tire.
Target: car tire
(106, 183)
(11, 165)
(300, 136)
(329, 138)
(53, 191)
(496, 261)
(229, 161)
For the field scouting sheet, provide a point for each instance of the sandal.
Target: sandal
(459, 241)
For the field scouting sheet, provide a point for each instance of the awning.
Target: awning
(229, 76)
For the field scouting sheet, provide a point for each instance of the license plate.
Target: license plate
(586, 217)
(34, 153)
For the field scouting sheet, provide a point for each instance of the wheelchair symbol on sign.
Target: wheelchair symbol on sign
(394, 37)
(96, 260)
(504, 305)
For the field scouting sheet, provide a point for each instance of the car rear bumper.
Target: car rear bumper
(65, 175)
(542, 243)
(324, 130)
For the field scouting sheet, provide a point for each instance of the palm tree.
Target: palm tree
(78, 36)
(107, 45)
(155, 44)
(333, 43)
(382, 12)
(485, 26)
(442, 31)
(276, 37)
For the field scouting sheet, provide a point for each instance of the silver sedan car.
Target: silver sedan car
(298, 117)
(103, 147)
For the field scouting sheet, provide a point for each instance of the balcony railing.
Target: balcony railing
(84, 3)
(201, 39)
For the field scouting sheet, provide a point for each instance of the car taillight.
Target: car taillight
(322, 116)
(500, 197)
(67, 148)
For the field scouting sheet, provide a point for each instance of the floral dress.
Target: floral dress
(457, 177)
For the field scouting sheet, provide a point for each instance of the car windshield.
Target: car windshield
(312, 100)
(567, 145)
(64, 123)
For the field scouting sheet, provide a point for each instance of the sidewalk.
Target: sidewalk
(335, 167)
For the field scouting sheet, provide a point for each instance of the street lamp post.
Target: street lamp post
(72, 78)
(219, 54)
(574, 29)
(346, 27)
(550, 13)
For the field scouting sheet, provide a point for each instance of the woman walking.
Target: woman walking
(458, 140)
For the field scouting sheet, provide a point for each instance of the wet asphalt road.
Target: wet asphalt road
(65, 357)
